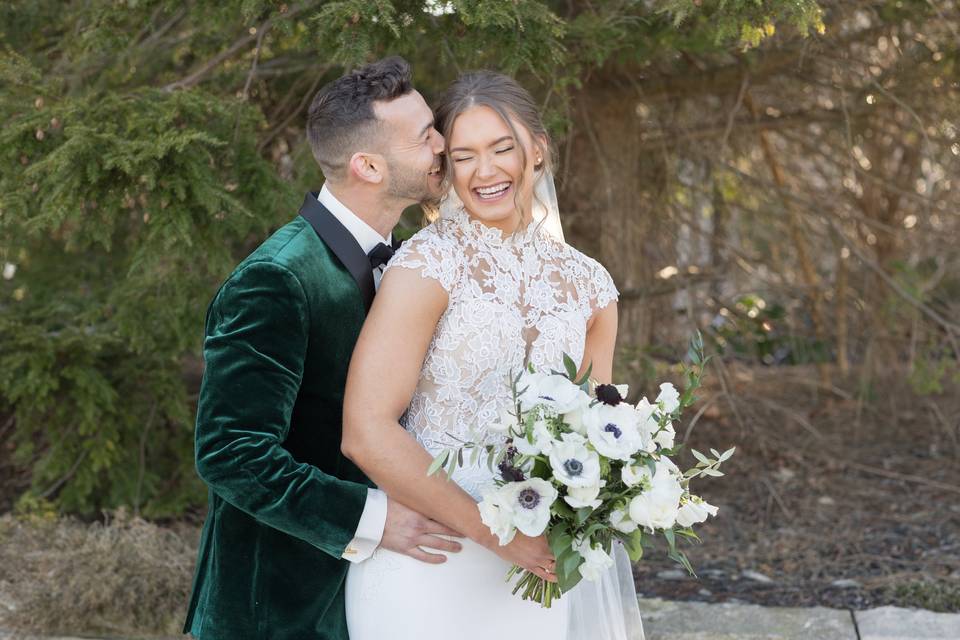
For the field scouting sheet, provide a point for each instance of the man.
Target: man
(287, 510)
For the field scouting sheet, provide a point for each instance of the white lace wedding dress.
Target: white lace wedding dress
(513, 299)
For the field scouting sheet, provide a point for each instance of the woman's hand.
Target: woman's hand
(532, 554)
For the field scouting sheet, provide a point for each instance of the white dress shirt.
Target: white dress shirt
(374, 516)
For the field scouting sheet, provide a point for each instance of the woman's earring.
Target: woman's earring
(538, 164)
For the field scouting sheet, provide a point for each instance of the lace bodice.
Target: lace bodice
(513, 299)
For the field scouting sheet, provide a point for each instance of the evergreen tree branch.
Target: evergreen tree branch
(208, 67)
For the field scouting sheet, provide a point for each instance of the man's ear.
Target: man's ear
(367, 167)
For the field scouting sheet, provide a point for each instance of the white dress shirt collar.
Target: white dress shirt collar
(367, 237)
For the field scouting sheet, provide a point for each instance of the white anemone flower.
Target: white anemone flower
(573, 463)
(595, 561)
(695, 510)
(530, 501)
(669, 398)
(614, 430)
(553, 391)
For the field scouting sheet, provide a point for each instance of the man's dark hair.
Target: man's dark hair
(341, 120)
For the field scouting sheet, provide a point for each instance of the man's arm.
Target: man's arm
(254, 349)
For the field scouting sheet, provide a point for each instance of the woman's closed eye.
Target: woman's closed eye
(505, 149)
(462, 158)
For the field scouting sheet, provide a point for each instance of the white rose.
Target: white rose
(669, 398)
(504, 422)
(595, 561)
(497, 516)
(657, 507)
(574, 417)
(665, 437)
(529, 502)
(695, 510)
(542, 436)
(573, 463)
(634, 474)
(620, 521)
(525, 447)
(614, 431)
(553, 391)
(648, 425)
(578, 497)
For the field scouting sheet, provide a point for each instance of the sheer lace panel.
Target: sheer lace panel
(512, 299)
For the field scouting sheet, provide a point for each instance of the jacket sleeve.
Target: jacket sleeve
(255, 346)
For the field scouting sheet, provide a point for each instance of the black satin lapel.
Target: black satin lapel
(342, 243)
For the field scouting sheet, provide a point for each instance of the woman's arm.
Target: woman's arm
(601, 341)
(383, 375)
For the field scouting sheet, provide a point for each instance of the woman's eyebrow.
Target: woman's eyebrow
(492, 144)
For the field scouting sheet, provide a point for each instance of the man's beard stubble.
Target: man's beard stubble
(410, 184)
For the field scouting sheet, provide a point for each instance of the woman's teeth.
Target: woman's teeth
(491, 193)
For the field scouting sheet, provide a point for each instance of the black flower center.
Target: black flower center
(547, 398)
(573, 467)
(614, 429)
(529, 499)
(608, 394)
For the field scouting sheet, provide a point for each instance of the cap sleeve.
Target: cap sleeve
(601, 290)
(431, 255)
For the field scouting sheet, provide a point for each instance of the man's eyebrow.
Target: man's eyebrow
(492, 144)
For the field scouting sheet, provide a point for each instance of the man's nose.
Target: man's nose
(438, 142)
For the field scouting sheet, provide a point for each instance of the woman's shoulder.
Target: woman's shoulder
(432, 251)
(573, 257)
(435, 237)
(589, 273)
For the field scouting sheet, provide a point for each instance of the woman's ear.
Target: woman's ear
(540, 150)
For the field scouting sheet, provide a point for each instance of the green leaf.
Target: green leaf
(585, 378)
(699, 456)
(568, 565)
(562, 509)
(582, 514)
(570, 366)
(633, 543)
(671, 538)
(438, 461)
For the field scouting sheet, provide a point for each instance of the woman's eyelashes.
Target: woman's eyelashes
(501, 150)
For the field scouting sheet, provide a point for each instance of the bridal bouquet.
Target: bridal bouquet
(581, 465)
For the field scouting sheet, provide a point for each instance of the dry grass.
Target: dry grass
(126, 577)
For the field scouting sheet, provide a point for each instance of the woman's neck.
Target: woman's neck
(507, 226)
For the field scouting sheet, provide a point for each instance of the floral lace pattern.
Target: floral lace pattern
(513, 299)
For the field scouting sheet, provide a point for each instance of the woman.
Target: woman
(469, 299)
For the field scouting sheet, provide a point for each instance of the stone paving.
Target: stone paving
(668, 620)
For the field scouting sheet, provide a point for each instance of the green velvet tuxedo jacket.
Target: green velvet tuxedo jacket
(284, 502)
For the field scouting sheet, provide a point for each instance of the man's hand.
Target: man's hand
(406, 531)
(533, 554)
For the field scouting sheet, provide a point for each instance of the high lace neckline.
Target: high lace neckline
(491, 235)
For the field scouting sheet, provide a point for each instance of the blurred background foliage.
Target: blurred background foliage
(781, 174)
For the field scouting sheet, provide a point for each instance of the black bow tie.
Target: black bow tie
(380, 255)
